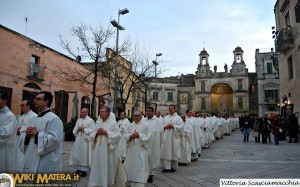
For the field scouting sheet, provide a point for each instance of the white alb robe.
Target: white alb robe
(207, 132)
(8, 141)
(186, 138)
(156, 140)
(80, 153)
(105, 156)
(22, 123)
(123, 124)
(136, 163)
(45, 156)
(170, 149)
(195, 136)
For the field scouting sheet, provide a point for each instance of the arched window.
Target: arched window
(240, 103)
(86, 103)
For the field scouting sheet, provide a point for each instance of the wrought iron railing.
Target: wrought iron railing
(36, 72)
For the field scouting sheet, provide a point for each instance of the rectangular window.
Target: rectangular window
(240, 84)
(290, 68)
(240, 103)
(169, 96)
(34, 59)
(203, 104)
(183, 99)
(269, 68)
(252, 89)
(271, 96)
(252, 105)
(287, 19)
(34, 66)
(155, 96)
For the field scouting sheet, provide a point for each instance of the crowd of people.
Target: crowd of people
(264, 126)
(117, 152)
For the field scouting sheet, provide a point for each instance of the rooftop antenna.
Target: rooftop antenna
(26, 21)
(203, 45)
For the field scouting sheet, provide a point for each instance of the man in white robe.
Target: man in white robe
(158, 115)
(26, 107)
(186, 137)
(138, 137)
(207, 132)
(80, 153)
(8, 136)
(106, 166)
(196, 135)
(170, 150)
(123, 124)
(155, 142)
(42, 142)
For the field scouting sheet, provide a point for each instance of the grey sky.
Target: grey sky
(179, 29)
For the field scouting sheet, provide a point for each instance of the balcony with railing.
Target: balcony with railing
(285, 39)
(36, 72)
(271, 100)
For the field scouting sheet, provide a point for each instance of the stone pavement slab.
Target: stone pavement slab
(226, 158)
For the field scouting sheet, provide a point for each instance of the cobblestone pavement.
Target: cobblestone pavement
(226, 158)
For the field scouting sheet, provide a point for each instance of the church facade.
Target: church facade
(208, 91)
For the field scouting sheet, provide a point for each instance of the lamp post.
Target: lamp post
(155, 64)
(119, 27)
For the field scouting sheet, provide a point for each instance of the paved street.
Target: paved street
(227, 158)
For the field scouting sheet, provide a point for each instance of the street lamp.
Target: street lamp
(155, 64)
(119, 27)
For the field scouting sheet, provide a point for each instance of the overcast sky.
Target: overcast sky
(179, 29)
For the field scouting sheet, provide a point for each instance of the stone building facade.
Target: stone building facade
(28, 67)
(209, 91)
(268, 83)
(287, 46)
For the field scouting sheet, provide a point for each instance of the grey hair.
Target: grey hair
(107, 109)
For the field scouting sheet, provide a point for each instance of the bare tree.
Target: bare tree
(92, 46)
(136, 74)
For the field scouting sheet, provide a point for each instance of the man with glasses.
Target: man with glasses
(8, 136)
(42, 142)
(155, 142)
(26, 109)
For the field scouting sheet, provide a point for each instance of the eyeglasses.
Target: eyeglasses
(22, 105)
(38, 98)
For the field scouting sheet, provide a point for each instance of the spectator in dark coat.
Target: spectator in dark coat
(275, 125)
(293, 128)
(246, 125)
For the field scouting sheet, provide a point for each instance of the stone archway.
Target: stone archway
(221, 98)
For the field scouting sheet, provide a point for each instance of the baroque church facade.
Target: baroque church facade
(207, 91)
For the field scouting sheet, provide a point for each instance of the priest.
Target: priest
(80, 153)
(106, 166)
(123, 124)
(156, 140)
(136, 164)
(8, 136)
(42, 142)
(26, 107)
(170, 151)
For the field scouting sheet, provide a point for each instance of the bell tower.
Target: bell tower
(203, 66)
(238, 65)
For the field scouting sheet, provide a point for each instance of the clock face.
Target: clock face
(203, 70)
(239, 69)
